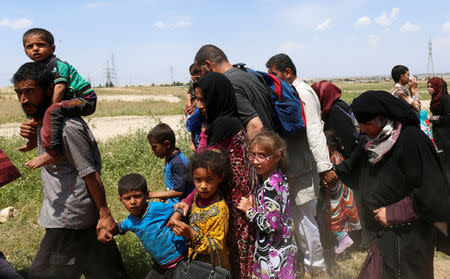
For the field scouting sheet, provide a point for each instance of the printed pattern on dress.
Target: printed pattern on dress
(275, 250)
(241, 239)
(341, 214)
(209, 222)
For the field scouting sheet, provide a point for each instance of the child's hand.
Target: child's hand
(245, 204)
(183, 206)
(182, 229)
(176, 215)
(188, 110)
(104, 236)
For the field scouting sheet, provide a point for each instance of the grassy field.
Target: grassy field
(11, 111)
(21, 236)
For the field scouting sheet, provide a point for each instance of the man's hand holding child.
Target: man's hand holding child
(104, 236)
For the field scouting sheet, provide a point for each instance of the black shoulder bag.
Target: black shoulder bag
(190, 268)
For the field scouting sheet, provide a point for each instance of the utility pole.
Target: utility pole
(430, 64)
(110, 72)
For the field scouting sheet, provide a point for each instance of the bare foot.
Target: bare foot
(30, 145)
(47, 158)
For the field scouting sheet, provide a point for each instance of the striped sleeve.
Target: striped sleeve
(63, 72)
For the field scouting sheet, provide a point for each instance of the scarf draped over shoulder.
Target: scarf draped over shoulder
(386, 112)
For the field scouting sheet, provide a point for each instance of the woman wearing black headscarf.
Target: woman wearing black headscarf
(401, 184)
(224, 131)
(440, 107)
(217, 104)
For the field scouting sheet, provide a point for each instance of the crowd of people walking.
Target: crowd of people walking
(268, 203)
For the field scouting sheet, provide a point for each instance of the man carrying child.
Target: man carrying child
(74, 203)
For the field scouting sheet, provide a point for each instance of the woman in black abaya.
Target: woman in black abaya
(440, 107)
(401, 184)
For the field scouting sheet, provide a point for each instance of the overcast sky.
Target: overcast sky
(149, 37)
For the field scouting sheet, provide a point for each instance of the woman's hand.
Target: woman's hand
(245, 204)
(182, 229)
(380, 216)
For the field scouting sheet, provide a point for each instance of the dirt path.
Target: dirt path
(105, 128)
(123, 98)
(138, 98)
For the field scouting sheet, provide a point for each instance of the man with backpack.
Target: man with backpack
(308, 160)
(254, 107)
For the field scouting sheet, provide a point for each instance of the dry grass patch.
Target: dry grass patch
(179, 91)
(11, 111)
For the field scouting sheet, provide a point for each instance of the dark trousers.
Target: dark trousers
(6, 270)
(51, 126)
(68, 253)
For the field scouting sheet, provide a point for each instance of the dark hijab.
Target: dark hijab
(440, 88)
(328, 93)
(220, 106)
(371, 104)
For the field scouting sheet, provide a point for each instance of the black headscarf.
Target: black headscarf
(372, 103)
(220, 105)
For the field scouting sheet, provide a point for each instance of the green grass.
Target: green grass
(178, 91)
(20, 237)
(11, 111)
(353, 90)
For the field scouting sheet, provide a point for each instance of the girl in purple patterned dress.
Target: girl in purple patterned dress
(275, 250)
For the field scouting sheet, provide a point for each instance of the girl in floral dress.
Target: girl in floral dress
(275, 250)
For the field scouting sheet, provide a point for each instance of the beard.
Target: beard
(40, 109)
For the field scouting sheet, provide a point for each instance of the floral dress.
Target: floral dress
(275, 250)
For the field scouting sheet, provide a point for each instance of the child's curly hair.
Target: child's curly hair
(271, 143)
(214, 160)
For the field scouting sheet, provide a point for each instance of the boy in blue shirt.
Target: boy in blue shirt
(162, 141)
(148, 222)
